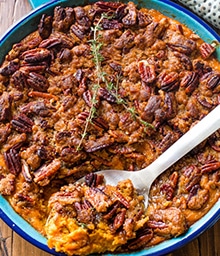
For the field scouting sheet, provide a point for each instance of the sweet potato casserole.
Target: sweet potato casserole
(107, 86)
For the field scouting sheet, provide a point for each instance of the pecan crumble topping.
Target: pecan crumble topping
(107, 86)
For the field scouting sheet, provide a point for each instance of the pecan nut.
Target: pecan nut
(22, 124)
(180, 44)
(210, 167)
(50, 42)
(190, 81)
(147, 71)
(211, 79)
(46, 171)
(13, 161)
(63, 18)
(36, 55)
(45, 26)
(5, 106)
(19, 80)
(10, 68)
(119, 219)
(37, 82)
(169, 82)
(93, 180)
(90, 100)
(106, 95)
(130, 18)
(206, 50)
(100, 143)
(143, 237)
(26, 171)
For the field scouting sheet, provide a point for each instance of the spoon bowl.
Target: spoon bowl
(143, 179)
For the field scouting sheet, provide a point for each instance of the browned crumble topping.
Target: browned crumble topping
(106, 86)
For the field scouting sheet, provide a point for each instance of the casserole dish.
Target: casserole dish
(27, 25)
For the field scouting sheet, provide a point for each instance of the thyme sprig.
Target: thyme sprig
(114, 91)
(102, 77)
(95, 46)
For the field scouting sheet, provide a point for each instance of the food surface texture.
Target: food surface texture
(108, 85)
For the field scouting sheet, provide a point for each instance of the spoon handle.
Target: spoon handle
(198, 133)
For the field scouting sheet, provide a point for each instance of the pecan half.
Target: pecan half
(26, 171)
(147, 71)
(131, 17)
(169, 187)
(185, 60)
(143, 236)
(170, 105)
(37, 82)
(82, 117)
(36, 55)
(169, 81)
(13, 161)
(22, 123)
(193, 177)
(201, 68)
(66, 41)
(119, 219)
(168, 190)
(143, 19)
(5, 107)
(81, 17)
(45, 172)
(50, 42)
(45, 26)
(106, 95)
(111, 24)
(65, 55)
(125, 41)
(88, 98)
(100, 143)
(211, 79)
(38, 108)
(181, 44)
(102, 6)
(19, 80)
(10, 68)
(206, 50)
(100, 122)
(93, 180)
(210, 166)
(79, 31)
(112, 210)
(190, 81)
(204, 102)
(63, 18)
(152, 106)
(122, 199)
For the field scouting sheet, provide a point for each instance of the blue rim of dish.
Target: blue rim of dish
(194, 16)
(163, 248)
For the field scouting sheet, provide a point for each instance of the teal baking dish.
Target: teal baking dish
(29, 24)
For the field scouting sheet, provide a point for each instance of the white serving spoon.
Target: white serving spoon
(143, 179)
